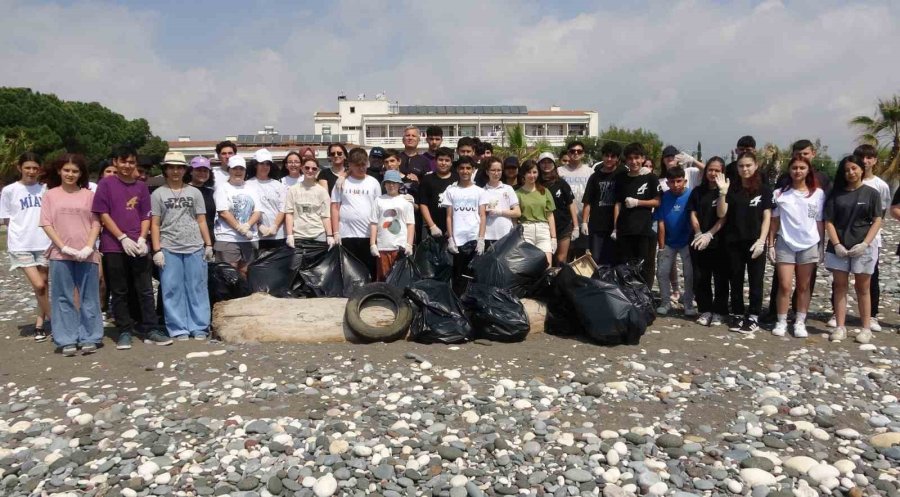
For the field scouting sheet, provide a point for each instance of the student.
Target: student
(564, 216)
(465, 216)
(270, 193)
(199, 175)
(511, 172)
(351, 209)
(867, 155)
(376, 163)
(673, 234)
(307, 213)
(225, 150)
(431, 190)
(123, 204)
(465, 147)
(181, 249)
(708, 257)
(748, 207)
(392, 226)
(576, 174)
(68, 219)
(26, 242)
(795, 241)
(501, 205)
(337, 152)
(564, 159)
(239, 211)
(292, 162)
(852, 220)
(537, 211)
(392, 163)
(672, 157)
(598, 204)
(636, 196)
(744, 144)
(434, 137)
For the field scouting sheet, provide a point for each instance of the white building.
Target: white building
(378, 122)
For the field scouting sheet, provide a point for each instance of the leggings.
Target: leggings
(739, 260)
(711, 270)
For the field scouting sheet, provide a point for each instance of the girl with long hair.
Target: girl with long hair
(708, 257)
(537, 207)
(565, 215)
(501, 206)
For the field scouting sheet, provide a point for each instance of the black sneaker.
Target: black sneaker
(749, 326)
(156, 337)
(124, 341)
(69, 350)
(40, 334)
(88, 348)
(736, 323)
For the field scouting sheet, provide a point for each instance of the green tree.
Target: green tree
(515, 143)
(653, 145)
(11, 147)
(883, 128)
(155, 149)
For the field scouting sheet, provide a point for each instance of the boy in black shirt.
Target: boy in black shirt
(599, 202)
(431, 190)
(636, 197)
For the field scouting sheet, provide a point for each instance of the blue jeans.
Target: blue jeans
(185, 293)
(71, 325)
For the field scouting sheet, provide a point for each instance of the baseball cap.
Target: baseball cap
(263, 155)
(174, 158)
(237, 161)
(377, 153)
(669, 151)
(511, 161)
(199, 161)
(392, 176)
(546, 155)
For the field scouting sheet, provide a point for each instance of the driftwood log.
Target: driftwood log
(263, 318)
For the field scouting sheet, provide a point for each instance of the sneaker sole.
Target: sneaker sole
(88, 351)
(151, 342)
(40, 339)
(69, 353)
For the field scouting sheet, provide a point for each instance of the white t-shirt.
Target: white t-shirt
(220, 176)
(241, 202)
(884, 191)
(289, 181)
(577, 180)
(692, 175)
(92, 186)
(798, 215)
(271, 196)
(464, 202)
(391, 216)
(21, 204)
(502, 197)
(357, 199)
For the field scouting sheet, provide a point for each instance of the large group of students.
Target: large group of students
(88, 247)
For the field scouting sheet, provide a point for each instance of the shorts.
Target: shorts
(537, 234)
(785, 255)
(564, 231)
(233, 252)
(28, 258)
(864, 264)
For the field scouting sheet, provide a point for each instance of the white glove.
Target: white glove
(613, 235)
(130, 246)
(575, 234)
(643, 171)
(553, 245)
(333, 240)
(451, 246)
(373, 249)
(289, 241)
(436, 231)
(584, 229)
(858, 249)
(684, 159)
(142, 246)
(771, 254)
(722, 182)
(85, 253)
(479, 246)
(841, 251)
(409, 198)
(701, 241)
(631, 202)
(407, 248)
(208, 255)
(266, 230)
(495, 212)
(757, 248)
(159, 259)
(67, 250)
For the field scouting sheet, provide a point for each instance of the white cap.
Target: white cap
(263, 155)
(237, 161)
(547, 155)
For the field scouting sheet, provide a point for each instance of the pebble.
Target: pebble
(753, 477)
(325, 486)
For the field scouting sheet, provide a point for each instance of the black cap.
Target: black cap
(511, 161)
(377, 153)
(669, 151)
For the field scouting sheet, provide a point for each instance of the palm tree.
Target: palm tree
(885, 126)
(516, 144)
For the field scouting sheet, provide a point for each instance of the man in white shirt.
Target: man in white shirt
(576, 174)
(225, 150)
(351, 208)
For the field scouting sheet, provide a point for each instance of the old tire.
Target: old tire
(383, 294)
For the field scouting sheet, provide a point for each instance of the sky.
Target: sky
(689, 70)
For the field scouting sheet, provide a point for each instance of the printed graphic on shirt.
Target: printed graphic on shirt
(812, 211)
(755, 200)
(29, 202)
(242, 207)
(642, 189)
(390, 221)
(466, 205)
(131, 204)
(179, 203)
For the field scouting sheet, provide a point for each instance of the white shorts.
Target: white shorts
(864, 264)
(538, 234)
(28, 258)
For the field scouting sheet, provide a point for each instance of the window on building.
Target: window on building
(326, 130)
(578, 129)
(353, 110)
(466, 130)
(555, 130)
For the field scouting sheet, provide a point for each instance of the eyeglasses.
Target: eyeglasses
(576, 151)
(336, 154)
(294, 163)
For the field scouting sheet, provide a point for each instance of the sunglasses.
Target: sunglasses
(310, 168)
(576, 151)
(336, 154)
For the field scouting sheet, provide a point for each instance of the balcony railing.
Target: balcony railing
(450, 141)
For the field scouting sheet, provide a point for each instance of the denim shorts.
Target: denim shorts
(29, 258)
(785, 255)
(864, 264)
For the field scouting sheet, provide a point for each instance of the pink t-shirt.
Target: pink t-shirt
(71, 217)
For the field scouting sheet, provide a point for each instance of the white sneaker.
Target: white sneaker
(838, 334)
(663, 309)
(716, 320)
(832, 322)
(800, 330)
(704, 319)
(864, 336)
(780, 328)
(873, 325)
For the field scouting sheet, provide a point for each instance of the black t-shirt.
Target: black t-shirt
(431, 191)
(563, 198)
(704, 201)
(329, 176)
(637, 220)
(600, 194)
(209, 203)
(731, 172)
(852, 214)
(745, 212)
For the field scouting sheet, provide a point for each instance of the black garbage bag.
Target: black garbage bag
(439, 316)
(337, 274)
(554, 288)
(433, 260)
(271, 273)
(510, 263)
(495, 313)
(628, 277)
(225, 283)
(307, 253)
(403, 273)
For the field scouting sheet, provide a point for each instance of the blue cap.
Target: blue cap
(392, 176)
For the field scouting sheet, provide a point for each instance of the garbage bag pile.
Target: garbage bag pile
(495, 313)
(510, 263)
(439, 316)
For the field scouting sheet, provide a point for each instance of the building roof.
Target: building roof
(192, 143)
(462, 109)
(557, 112)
